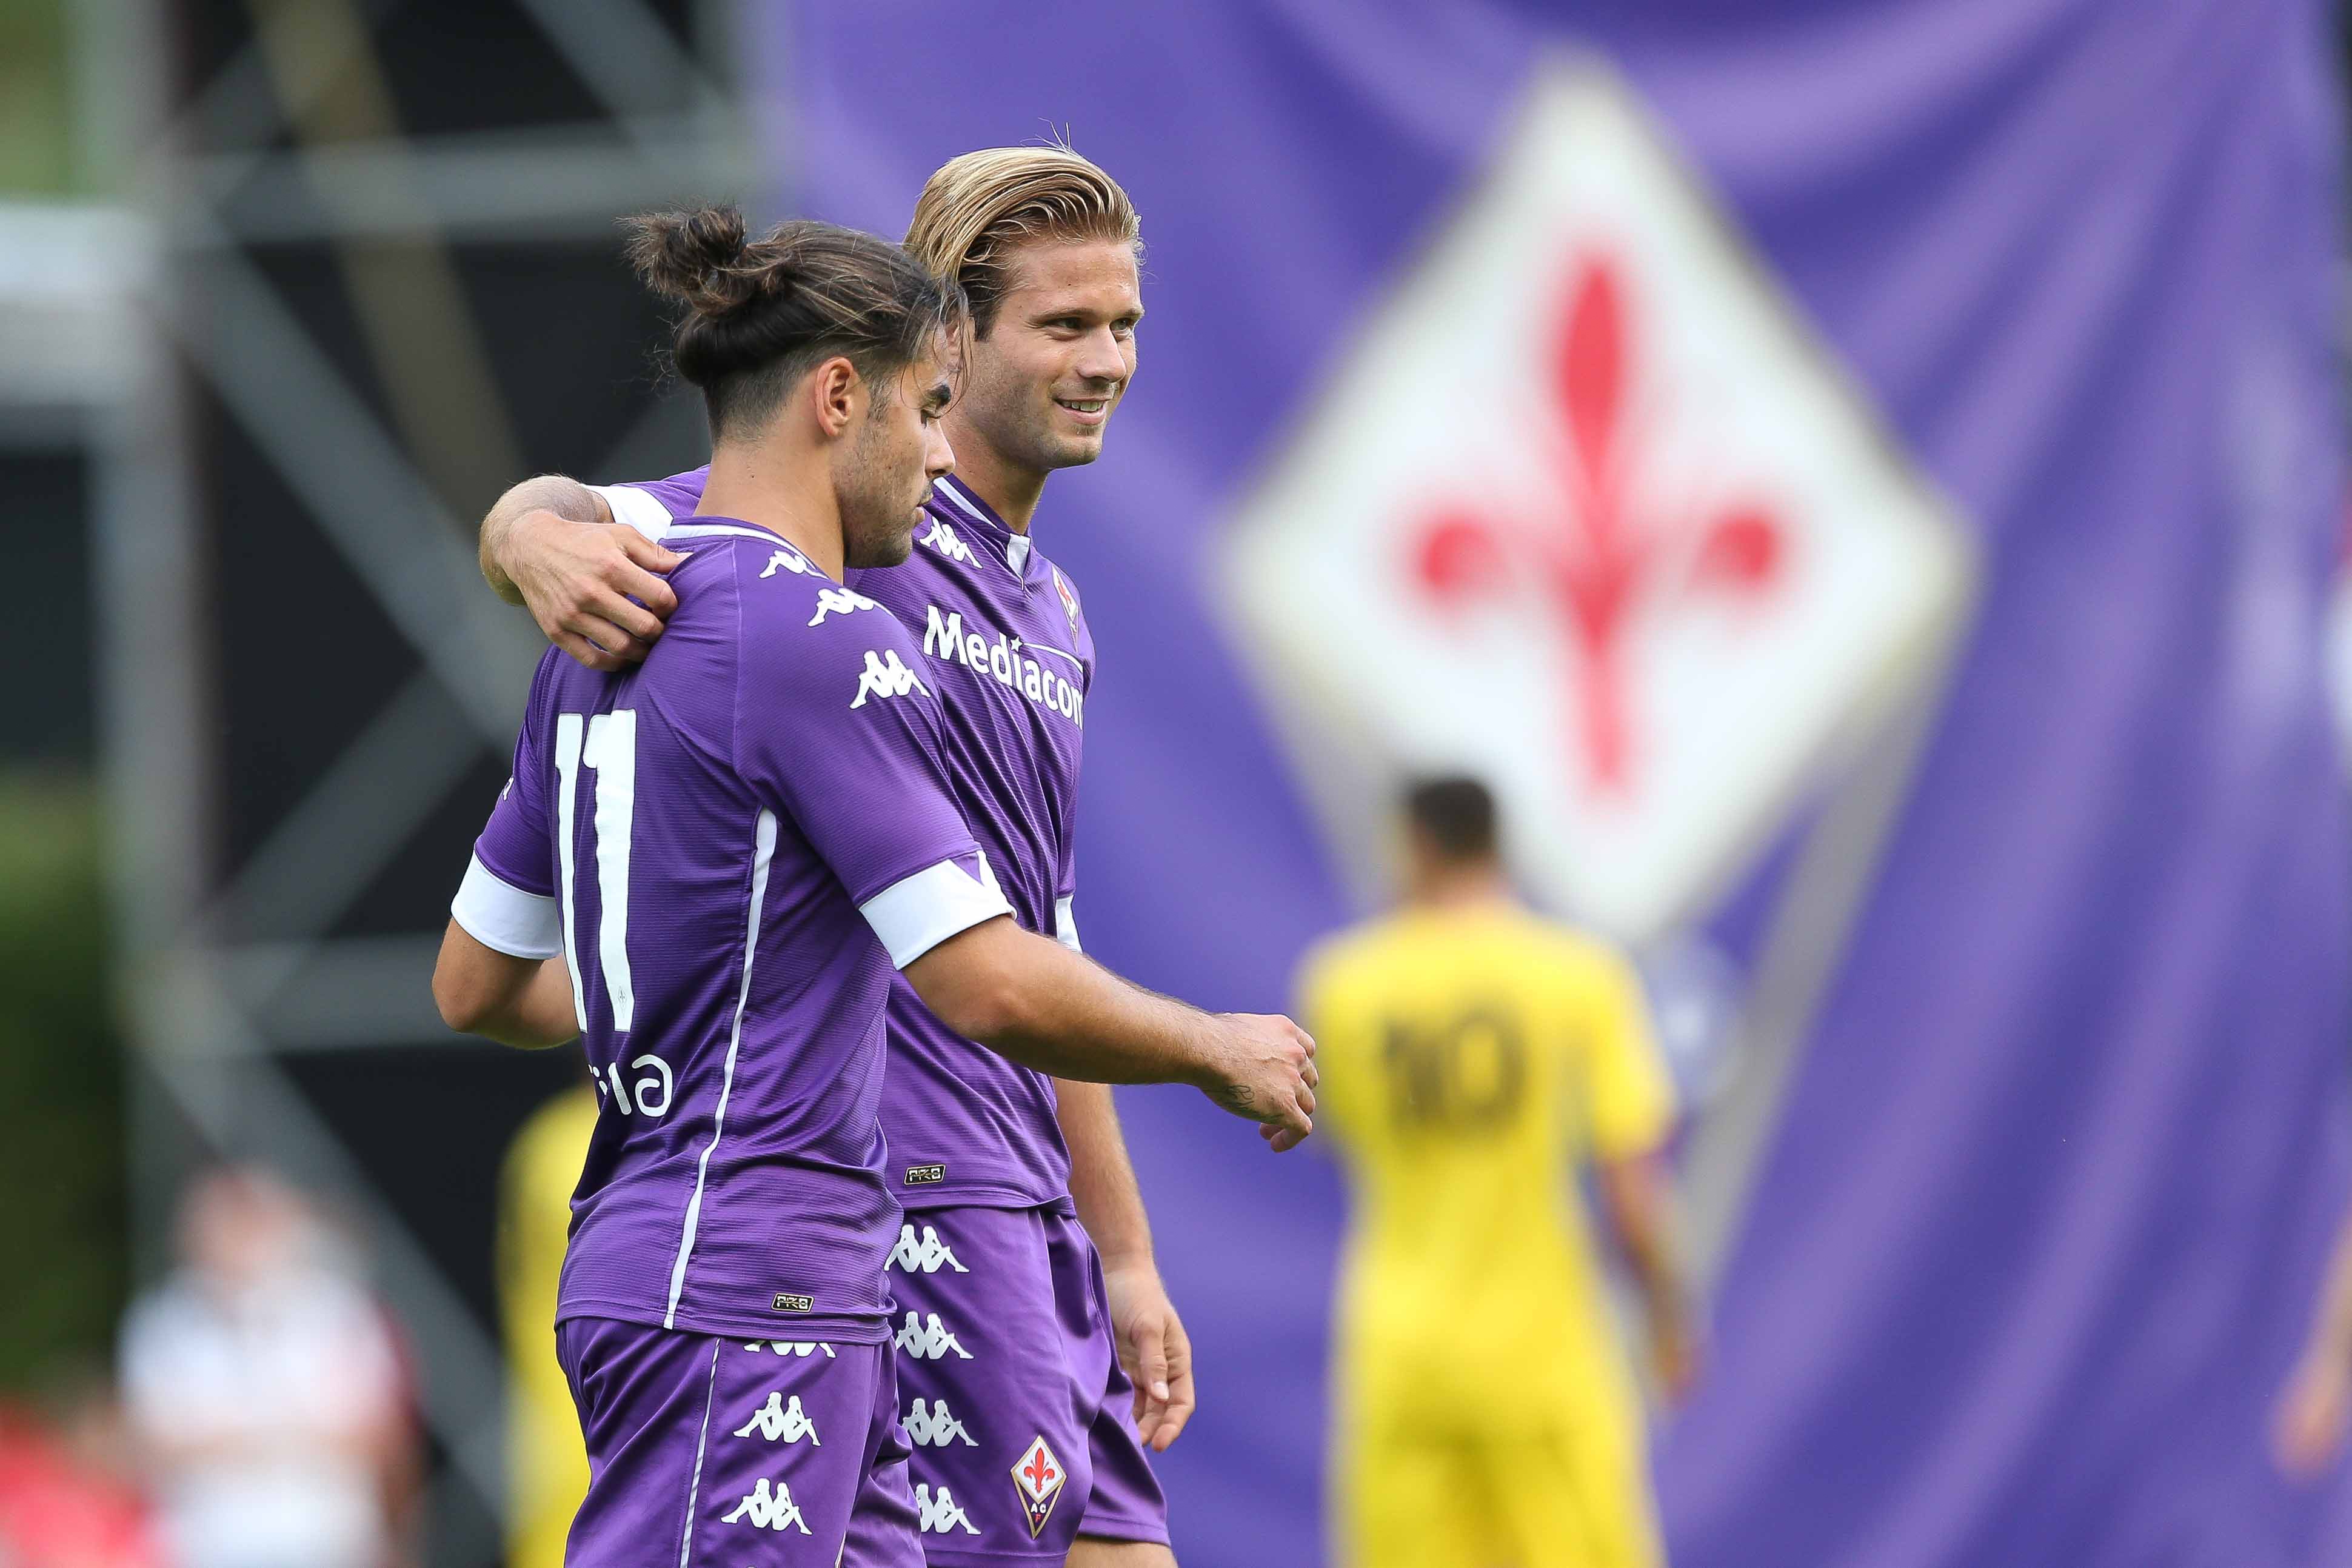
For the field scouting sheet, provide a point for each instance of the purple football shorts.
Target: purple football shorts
(1015, 1403)
(736, 1453)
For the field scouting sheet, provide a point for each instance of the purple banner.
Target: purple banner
(1971, 362)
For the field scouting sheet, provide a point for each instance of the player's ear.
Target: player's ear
(835, 391)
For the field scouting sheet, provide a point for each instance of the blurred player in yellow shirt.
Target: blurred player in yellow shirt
(547, 1460)
(1473, 1057)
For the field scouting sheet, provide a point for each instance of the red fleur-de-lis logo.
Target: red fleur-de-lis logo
(1603, 545)
(1040, 1474)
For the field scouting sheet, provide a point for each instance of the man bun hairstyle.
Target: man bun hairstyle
(978, 209)
(1456, 813)
(760, 314)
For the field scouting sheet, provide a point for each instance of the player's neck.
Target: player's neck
(794, 499)
(1010, 490)
(1478, 884)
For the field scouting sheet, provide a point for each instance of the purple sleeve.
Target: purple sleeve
(650, 505)
(508, 898)
(835, 726)
(515, 844)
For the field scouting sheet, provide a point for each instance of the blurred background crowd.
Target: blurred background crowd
(1936, 697)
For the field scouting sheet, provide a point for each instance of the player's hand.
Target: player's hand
(2312, 1413)
(579, 580)
(1153, 1349)
(1262, 1068)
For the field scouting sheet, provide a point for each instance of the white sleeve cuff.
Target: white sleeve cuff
(504, 918)
(1066, 923)
(915, 914)
(636, 508)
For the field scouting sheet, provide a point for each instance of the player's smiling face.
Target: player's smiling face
(1058, 355)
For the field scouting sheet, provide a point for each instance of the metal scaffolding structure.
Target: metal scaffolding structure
(236, 966)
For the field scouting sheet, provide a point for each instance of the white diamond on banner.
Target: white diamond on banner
(1588, 510)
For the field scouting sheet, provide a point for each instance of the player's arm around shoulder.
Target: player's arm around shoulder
(588, 577)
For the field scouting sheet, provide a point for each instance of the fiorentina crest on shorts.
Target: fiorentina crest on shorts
(1037, 1476)
(1587, 510)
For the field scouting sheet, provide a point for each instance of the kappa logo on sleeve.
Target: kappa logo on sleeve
(886, 675)
(837, 602)
(788, 560)
(1037, 1476)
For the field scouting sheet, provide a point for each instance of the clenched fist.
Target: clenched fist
(1263, 1067)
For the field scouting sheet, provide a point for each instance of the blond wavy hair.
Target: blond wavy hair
(979, 209)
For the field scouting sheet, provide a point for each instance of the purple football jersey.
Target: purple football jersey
(733, 845)
(1007, 649)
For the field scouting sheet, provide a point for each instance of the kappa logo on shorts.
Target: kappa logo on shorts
(781, 1423)
(937, 1513)
(926, 1175)
(790, 1347)
(935, 1427)
(788, 1302)
(1037, 1476)
(924, 1257)
(763, 1510)
(929, 1341)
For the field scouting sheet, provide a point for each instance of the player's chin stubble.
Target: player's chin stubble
(887, 544)
(877, 530)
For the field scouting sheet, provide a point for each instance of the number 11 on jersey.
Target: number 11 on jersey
(606, 743)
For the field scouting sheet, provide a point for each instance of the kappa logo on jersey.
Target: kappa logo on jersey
(791, 561)
(935, 1427)
(937, 1513)
(779, 1422)
(943, 540)
(791, 1347)
(1037, 1476)
(1069, 597)
(837, 602)
(929, 1341)
(763, 1510)
(886, 675)
(924, 1256)
(1002, 660)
